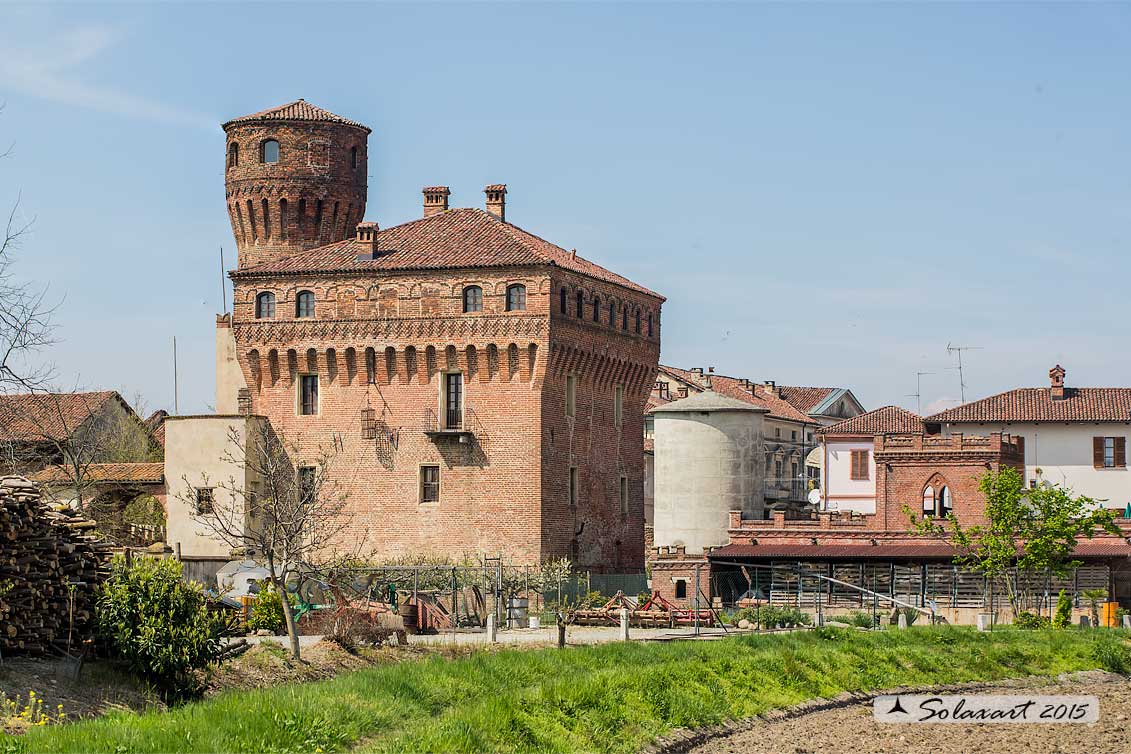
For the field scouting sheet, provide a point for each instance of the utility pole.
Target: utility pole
(223, 287)
(961, 376)
(176, 389)
(918, 394)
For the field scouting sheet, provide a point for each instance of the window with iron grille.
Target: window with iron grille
(453, 400)
(304, 304)
(429, 484)
(472, 299)
(308, 398)
(516, 298)
(265, 306)
(204, 500)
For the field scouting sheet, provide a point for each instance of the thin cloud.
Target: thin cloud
(56, 75)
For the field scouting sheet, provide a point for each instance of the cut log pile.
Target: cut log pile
(45, 552)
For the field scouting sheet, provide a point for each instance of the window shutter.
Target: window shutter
(1098, 452)
(1121, 452)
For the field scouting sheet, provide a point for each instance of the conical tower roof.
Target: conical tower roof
(299, 110)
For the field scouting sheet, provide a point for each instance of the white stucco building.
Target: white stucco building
(847, 453)
(1076, 437)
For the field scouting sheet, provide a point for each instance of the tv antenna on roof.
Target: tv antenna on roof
(961, 377)
(917, 395)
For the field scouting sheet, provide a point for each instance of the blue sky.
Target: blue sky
(827, 194)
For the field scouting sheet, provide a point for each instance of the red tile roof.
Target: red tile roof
(43, 417)
(804, 399)
(455, 239)
(733, 387)
(1035, 404)
(107, 473)
(155, 424)
(888, 420)
(297, 110)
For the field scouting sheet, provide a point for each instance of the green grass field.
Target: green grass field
(613, 697)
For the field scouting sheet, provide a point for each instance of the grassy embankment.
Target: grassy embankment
(614, 697)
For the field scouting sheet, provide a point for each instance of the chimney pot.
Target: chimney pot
(367, 237)
(497, 200)
(1056, 380)
(435, 200)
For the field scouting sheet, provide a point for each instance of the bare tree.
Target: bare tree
(26, 325)
(291, 515)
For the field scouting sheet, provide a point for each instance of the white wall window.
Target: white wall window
(1109, 452)
(205, 500)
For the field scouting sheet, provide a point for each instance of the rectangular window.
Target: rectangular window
(1109, 452)
(308, 395)
(624, 496)
(307, 484)
(573, 486)
(429, 484)
(777, 431)
(453, 400)
(681, 589)
(571, 395)
(618, 405)
(859, 465)
(777, 471)
(793, 435)
(204, 500)
(649, 426)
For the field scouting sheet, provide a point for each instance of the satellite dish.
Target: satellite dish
(814, 497)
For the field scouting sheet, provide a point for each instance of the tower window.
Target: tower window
(429, 484)
(637, 321)
(612, 313)
(573, 485)
(472, 299)
(353, 157)
(624, 318)
(453, 400)
(265, 306)
(571, 395)
(596, 309)
(233, 155)
(283, 219)
(562, 300)
(516, 298)
(618, 405)
(580, 304)
(269, 152)
(308, 395)
(304, 304)
(649, 324)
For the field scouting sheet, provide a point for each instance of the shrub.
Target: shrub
(1031, 621)
(860, 619)
(267, 612)
(158, 624)
(1113, 656)
(1063, 615)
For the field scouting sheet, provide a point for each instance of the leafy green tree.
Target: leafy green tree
(1034, 530)
(158, 624)
(1063, 615)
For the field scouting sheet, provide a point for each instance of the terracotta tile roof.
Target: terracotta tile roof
(458, 238)
(1035, 404)
(883, 421)
(298, 110)
(155, 425)
(733, 387)
(108, 473)
(42, 417)
(804, 399)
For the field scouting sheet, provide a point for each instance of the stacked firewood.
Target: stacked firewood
(50, 566)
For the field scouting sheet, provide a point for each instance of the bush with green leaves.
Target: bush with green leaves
(1063, 615)
(860, 619)
(158, 624)
(267, 611)
(1031, 621)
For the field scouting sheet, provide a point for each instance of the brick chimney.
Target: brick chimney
(367, 237)
(771, 387)
(497, 200)
(1056, 378)
(435, 200)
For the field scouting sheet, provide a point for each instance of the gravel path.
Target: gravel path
(851, 730)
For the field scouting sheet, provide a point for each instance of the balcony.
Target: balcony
(455, 427)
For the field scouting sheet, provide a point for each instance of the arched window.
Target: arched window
(233, 155)
(269, 151)
(637, 321)
(472, 299)
(580, 305)
(562, 300)
(649, 324)
(353, 157)
(516, 298)
(624, 318)
(265, 306)
(596, 309)
(937, 502)
(304, 304)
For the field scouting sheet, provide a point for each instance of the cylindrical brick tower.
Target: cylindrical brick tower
(295, 178)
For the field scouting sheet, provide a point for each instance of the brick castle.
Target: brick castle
(482, 389)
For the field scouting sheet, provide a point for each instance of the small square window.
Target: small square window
(429, 484)
(204, 500)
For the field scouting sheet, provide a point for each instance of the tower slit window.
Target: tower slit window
(562, 300)
(233, 155)
(266, 220)
(596, 309)
(580, 305)
(283, 219)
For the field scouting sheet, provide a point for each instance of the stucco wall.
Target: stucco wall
(195, 449)
(842, 492)
(1063, 453)
(229, 377)
(706, 465)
